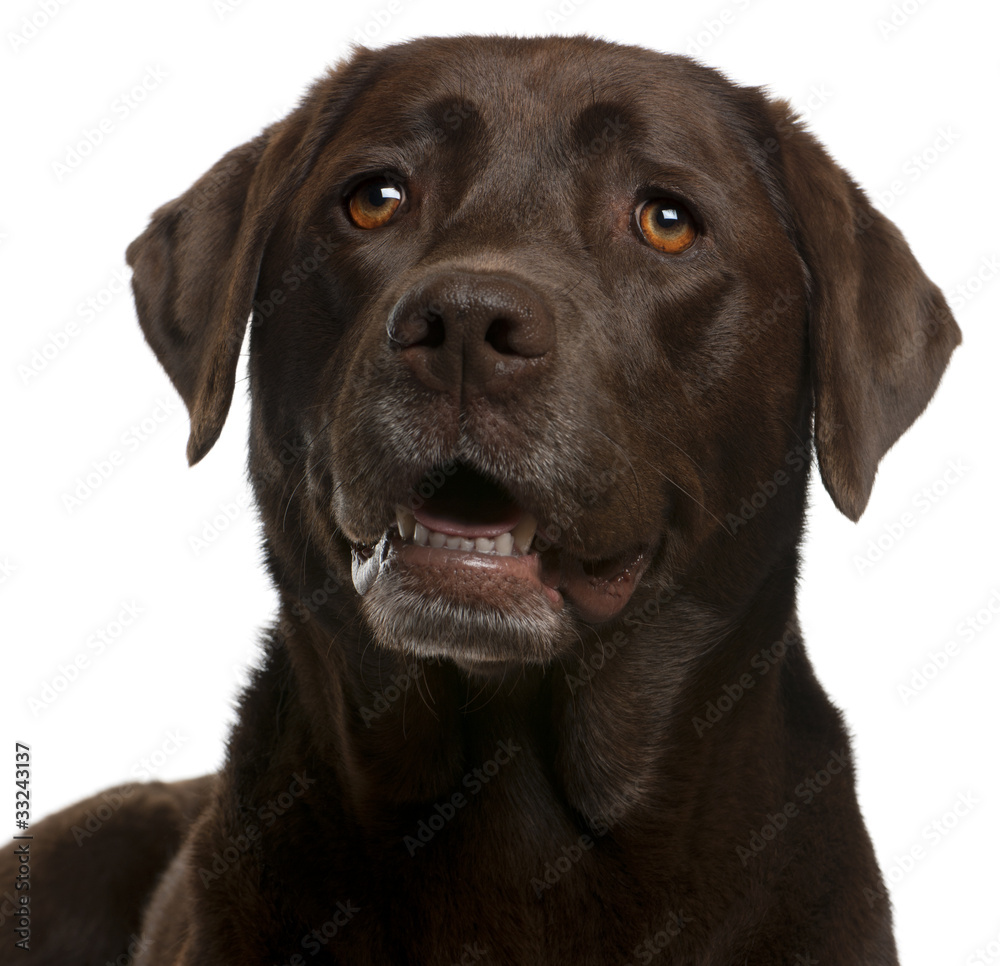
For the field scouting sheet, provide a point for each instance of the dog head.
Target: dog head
(534, 323)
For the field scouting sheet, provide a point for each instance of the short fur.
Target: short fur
(666, 403)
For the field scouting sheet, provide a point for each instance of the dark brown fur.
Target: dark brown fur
(615, 827)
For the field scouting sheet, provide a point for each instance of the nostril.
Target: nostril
(468, 330)
(435, 329)
(421, 328)
(498, 336)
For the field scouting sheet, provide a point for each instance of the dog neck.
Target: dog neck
(599, 734)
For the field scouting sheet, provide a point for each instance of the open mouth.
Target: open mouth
(471, 543)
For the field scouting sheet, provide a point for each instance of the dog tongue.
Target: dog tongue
(469, 518)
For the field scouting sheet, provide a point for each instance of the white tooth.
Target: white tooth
(453, 543)
(468, 544)
(524, 532)
(484, 544)
(505, 544)
(405, 521)
(437, 539)
(420, 535)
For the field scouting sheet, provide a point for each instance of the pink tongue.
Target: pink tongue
(486, 519)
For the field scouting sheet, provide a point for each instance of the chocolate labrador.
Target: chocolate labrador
(544, 335)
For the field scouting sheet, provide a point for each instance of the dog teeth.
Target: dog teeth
(405, 521)
(517, 540)
(524, 533)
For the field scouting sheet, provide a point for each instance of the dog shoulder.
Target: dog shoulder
(94, 865)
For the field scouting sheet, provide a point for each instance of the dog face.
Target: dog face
(533, 322)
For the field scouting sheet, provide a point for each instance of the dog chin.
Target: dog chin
(479, 637)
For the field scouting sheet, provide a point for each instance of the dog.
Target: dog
(544, 336)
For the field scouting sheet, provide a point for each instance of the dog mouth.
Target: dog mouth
(472, 543)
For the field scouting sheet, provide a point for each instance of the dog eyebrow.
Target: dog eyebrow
(404, 136)
(375, 158)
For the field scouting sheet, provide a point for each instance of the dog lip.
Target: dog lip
(598, 590)
(602, 593)
(524, 567)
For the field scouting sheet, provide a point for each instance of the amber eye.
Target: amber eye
(666, 224)
(372, 203)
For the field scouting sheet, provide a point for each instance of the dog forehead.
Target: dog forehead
(538, 93)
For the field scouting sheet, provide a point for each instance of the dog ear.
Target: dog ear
(195, 267)
(195, 274)
(190, 287)
(880, 332)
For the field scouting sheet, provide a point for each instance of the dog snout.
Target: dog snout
(472, 332)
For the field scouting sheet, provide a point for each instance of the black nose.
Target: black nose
(473, 332)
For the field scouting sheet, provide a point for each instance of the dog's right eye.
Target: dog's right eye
(373, 202)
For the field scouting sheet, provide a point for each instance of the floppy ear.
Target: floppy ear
(195, 267)
(195, 271)
(880, 332)
(193, 281)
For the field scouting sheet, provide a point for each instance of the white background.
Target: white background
(922, 82)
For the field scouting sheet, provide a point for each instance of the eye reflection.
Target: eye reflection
(373, 203)
(666, 224)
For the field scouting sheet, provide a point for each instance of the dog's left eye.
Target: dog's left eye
(666, 224)
(372, 203)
